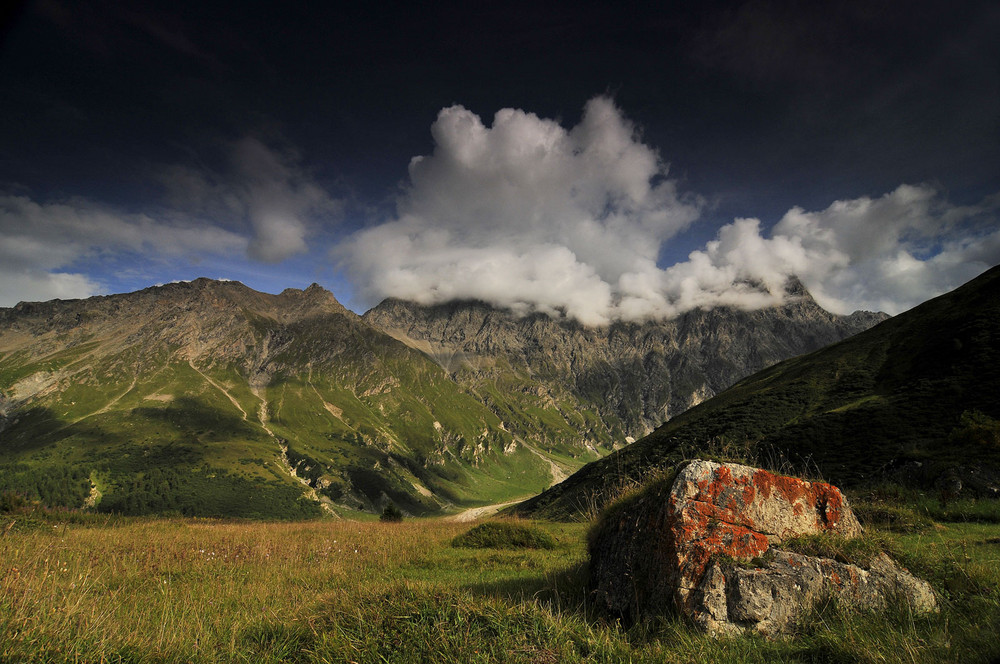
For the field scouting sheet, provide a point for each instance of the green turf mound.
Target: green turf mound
(504, 535)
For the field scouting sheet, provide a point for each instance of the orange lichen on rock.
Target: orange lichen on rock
(737, 511)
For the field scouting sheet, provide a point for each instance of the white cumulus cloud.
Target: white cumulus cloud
(525, 214)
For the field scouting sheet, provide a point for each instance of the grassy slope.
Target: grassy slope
(363, 417)
(171, 442)
(852, 411)
(397, 425)
(202, 591)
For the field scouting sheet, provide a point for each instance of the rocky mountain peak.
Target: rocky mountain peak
(398, 310)
(795, 288)
(314, 300)
(216, 296)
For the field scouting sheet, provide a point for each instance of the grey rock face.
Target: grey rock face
(772, 598)
(635, 376)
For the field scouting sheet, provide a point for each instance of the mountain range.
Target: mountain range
(209, 398)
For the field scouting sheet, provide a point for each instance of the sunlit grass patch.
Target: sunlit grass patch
(412, 623)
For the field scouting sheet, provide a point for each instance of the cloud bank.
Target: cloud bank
(529, 215)
(41, 242)
(525, 214)
(885, 254)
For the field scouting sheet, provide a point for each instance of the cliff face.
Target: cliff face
(634, 376)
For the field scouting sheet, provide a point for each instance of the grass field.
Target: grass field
(92, 589)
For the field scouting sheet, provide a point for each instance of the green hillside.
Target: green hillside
(211, 399)
(914, 400)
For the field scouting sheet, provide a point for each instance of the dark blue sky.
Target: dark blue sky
(757, 107)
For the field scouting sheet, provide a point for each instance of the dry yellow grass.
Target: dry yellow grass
(167, 587)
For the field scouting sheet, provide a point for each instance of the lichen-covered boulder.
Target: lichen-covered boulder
(672, 546)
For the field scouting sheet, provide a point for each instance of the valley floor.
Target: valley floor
(172, 590)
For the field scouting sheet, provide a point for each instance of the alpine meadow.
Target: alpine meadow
(528, 332)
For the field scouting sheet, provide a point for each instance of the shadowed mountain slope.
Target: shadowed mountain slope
(912, 399)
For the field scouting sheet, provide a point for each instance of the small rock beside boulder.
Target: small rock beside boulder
(706, 543)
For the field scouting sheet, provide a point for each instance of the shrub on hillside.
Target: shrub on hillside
(976, 429)
(12, 502)
(504, 535)
(391, 514)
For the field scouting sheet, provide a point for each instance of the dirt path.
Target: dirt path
(477, 513)
(221, 389)
(114, 400)
(103, 409)
(558, 474)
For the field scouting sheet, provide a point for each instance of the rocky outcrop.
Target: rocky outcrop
(633, 375)
(707, 542)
